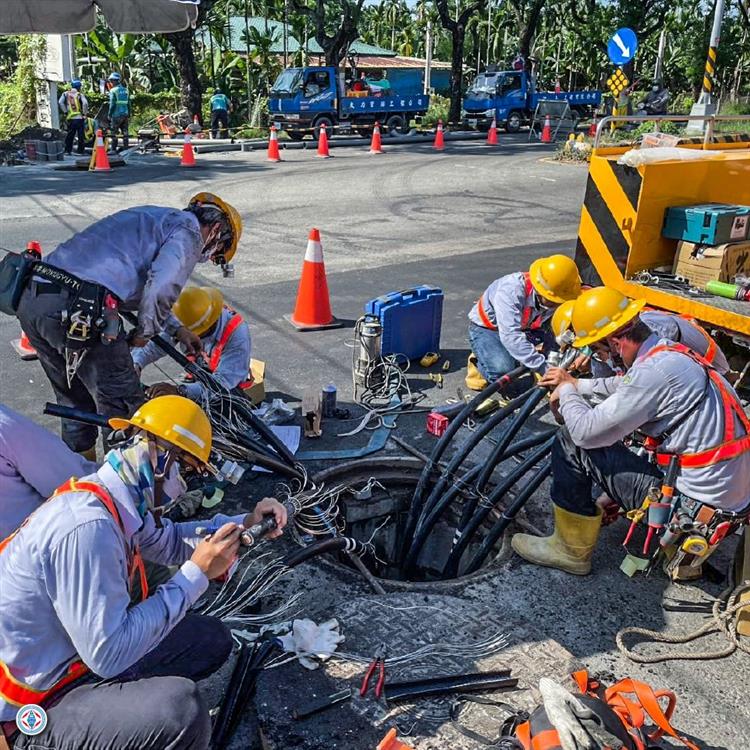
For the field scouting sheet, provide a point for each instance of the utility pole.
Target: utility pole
(489, 33)
(286, 34)
(659, 67)
(428, 58)
(706, 104)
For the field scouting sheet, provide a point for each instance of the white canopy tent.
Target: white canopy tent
(79, 16)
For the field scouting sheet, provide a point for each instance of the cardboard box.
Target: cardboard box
(702, 263)
(257, 391)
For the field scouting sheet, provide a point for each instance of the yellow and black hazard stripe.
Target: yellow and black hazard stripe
(708, 73)
(720, 138)
(607, 218)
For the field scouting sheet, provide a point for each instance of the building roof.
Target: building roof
(275, 29)
(399, 61)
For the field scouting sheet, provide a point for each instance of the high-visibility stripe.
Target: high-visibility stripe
(486, 322)
(17, 693)
(712, 53)
(213, 363)
(528, 321)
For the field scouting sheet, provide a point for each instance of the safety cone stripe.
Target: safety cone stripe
(314, 251)
(99, 157)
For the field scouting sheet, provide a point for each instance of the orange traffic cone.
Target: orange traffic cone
(439, 143)
(391, 742)
(102, 162)
(313, 307)
(188, 155)
(323, 143)
(197, 128)
(592, 127)
(376, 147)
(492, 133)
(273, 146)
(547, 131)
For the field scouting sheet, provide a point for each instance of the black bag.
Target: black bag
(15, 269)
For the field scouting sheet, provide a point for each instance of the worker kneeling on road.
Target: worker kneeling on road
(506, 323)
(670, 394)
(111, 675)
(33, 463)
(138, 260)
(224, 344)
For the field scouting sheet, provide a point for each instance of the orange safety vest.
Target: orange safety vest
(712, 347)
(213, 363)
(527, 323)
(731, 446)
(14, 691)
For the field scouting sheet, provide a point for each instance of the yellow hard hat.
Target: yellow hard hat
(556, 278)
(198, 308)
(233, 217)
(601, 311)
(175, 419)
(561, 319)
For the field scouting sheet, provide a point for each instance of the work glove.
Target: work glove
(190, 342)
(163, 389)
(578, 727)
(312, 643)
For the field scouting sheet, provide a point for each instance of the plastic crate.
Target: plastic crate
(707, 224)
(411, 320)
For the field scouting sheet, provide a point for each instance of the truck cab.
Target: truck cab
(498, 94)
(303, 97)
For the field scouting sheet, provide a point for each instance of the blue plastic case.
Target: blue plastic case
(707, 224)
(411, 320)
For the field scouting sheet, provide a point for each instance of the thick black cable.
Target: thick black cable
(416, 504)
(460, 683)
(223, 718)
(454, 558)
(502, 523)
(339, 544)
(425, 528)
(76, 415)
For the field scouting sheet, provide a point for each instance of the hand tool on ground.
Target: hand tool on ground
(436, 378)
(315, 707)
(378, 662)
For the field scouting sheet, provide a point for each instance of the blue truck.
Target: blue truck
(510, 96)
(302, 99)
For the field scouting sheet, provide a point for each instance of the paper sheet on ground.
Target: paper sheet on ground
(288, 434)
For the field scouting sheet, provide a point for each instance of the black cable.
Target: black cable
(223, 718)
(502, 523)
(454, 558)
(416, 504)
(338, 544)
(76, 415)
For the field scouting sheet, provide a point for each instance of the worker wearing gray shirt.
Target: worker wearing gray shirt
(65, 607)
(138, 260)
(26, 481)
(666, 394)
(505, 324)
(225, 344)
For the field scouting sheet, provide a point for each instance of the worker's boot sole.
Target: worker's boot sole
(546, 552)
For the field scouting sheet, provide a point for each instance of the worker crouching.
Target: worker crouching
(507, 323)
(223, 343)
(670, 394)
(112, 675)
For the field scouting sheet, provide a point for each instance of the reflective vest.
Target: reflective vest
(731, 445)
(528, 321)
(712, 347)
(213, 362)
(119, 101)
(219, 101)
(14, 691)
(75, 105)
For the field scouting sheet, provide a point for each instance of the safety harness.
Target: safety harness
(731, 445)
(624, 710)
(528, 321)
(213, 361)
(17, 693)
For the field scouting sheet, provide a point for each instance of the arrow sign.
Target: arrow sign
(622, 46)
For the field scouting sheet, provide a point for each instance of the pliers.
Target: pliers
(378, 661)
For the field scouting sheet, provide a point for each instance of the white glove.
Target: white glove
(564, 712)
(312, 643)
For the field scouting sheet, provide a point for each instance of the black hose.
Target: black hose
(231, 695)
(460, 683)
(339, 544)
(454, 558)
(77, 415)
(425, 528)
(416, 504)
(502, 523)
(257, 424)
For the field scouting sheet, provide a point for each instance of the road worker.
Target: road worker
(671, 395)
(220, 109)
(225, 344)
(33, 464)
(506, 323)
(677, 328)
(119, 111)
(75, 107)
(139, 260)
(112, 675)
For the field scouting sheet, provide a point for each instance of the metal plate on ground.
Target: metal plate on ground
(407, 622)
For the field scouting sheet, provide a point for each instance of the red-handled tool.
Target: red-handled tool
(378, 662)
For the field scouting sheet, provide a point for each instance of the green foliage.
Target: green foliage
(18, 97)
(671, 128)
(439, 106)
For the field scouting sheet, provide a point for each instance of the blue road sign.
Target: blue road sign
(622, 46)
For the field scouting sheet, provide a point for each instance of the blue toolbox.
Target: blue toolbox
(411, 320)
(707, 224)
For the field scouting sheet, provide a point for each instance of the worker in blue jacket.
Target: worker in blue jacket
(220, 109)
(119, 110)
(108, 673)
